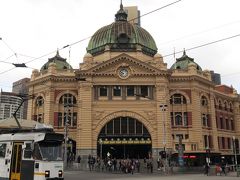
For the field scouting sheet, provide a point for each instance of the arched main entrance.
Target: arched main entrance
(124, 137)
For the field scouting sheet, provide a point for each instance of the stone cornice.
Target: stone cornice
(190, 78)
(52, 78)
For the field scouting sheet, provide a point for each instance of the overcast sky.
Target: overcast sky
(33, 28)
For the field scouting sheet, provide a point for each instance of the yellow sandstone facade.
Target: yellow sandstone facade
(124, 100)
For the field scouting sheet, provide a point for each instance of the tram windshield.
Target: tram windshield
(48, 151)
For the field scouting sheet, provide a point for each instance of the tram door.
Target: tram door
(16, 161)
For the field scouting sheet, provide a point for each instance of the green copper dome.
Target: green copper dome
(122, 36)
(183, 62)
(61, 63)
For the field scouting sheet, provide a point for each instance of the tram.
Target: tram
(34, 154)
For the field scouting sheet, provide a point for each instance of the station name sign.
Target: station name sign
(125, 141)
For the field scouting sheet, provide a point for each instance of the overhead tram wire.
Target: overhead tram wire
(4, 61)
(188, 49)
(202, 45)
(200, 32)
(8, 47)
(74, 43)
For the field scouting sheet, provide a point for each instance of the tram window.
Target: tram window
(2, 150)
(28, 151)
(36, 152)
(51, 151)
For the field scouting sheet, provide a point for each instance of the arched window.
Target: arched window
(67, 99)
(225, 106)
(67, 114)
(178, 99)
(230, 107)
(220, 104)
(204, 101)
(122, 126)
(39, 101)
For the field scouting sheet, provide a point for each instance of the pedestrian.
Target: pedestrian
(223, 165)
(138, 165)
(206, 169)
(158, 163)
(79, 161)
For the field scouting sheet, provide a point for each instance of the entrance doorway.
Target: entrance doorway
(126, 151)
(124, 137)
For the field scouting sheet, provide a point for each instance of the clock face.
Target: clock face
(123, 72)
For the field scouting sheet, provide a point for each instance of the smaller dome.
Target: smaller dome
(60, 62)
(184, 61)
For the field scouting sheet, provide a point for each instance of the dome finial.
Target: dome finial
(57, 52)
(184, 52)
(121, 14)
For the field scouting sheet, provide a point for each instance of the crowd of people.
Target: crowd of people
(118, 165)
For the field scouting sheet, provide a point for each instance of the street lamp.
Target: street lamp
(66, 106)
(235, 150)
(66, 124)
(163, 108)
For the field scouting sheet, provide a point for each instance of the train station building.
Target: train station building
(123, 100)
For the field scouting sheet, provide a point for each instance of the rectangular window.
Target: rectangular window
(229, 143)
(223, 142)
(205, 137)
(144, 91)
(117, 91)
(185, 120)
(130, 91)
(74, 119)
(221, 123)
(232, 125)
(172, 119)
(178, 136)
(59, 119)
(193, 147)
(103, 91)
(227, 124)
(204, 121)
(2, 150)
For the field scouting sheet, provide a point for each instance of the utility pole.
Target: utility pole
(235, 150)
(67, 119)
